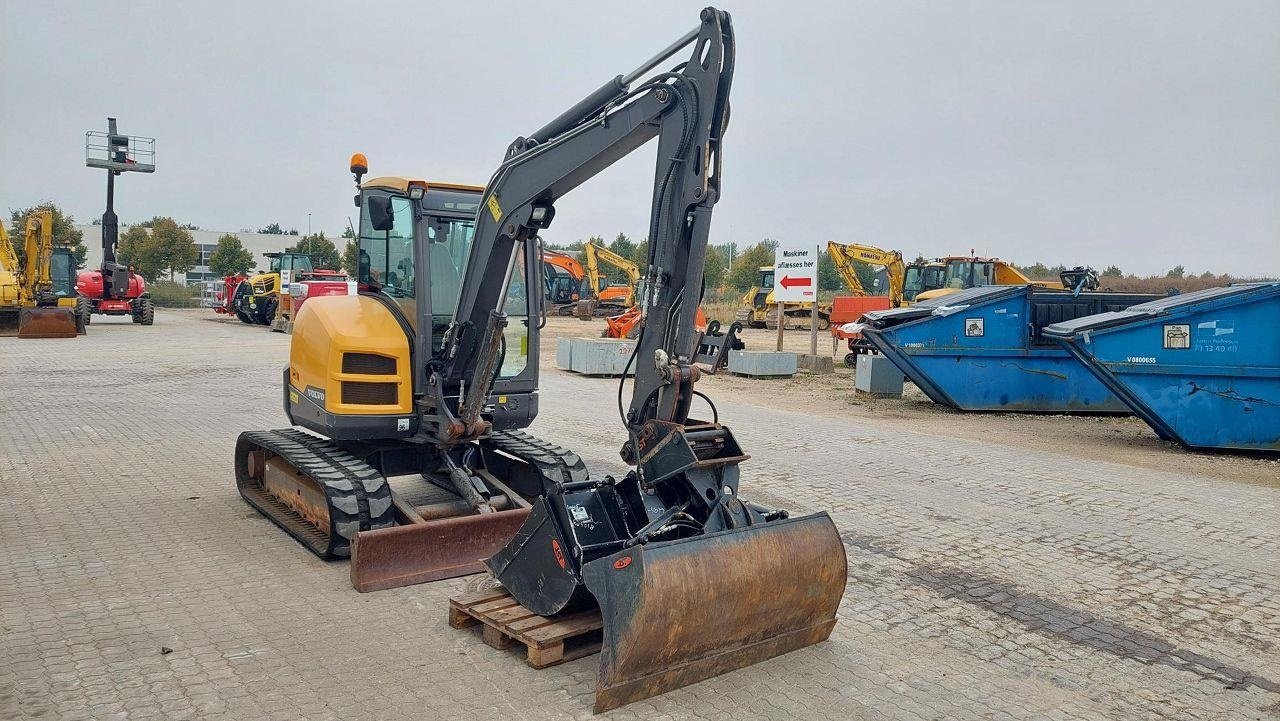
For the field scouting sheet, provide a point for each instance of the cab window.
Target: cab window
(63, 273)
(386, 256)
(911, 284)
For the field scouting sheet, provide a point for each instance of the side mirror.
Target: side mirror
(380, 216)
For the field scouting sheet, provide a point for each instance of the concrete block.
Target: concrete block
(819, 365)
(599, 356)
(762, 364)
(878, 375)
(564, 353)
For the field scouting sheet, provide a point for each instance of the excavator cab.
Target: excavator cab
(969, 273)
(922, 277)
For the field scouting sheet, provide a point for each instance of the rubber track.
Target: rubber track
(358, 497)
(555, 464)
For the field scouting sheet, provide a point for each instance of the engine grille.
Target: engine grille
(368, 364)
(369, 394)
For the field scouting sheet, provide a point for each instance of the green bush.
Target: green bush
(174, 295)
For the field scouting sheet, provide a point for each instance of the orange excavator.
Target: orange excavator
(562, 276)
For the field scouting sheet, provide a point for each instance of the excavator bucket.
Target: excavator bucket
(46, 322)
(684, 611)
(430, 550)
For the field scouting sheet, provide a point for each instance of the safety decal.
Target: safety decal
(494, 209)
(973, 327)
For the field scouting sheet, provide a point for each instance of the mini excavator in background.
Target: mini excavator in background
(431, 369)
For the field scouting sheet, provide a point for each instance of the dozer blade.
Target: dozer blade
(681, 612)
(51, 322)
(430, 551)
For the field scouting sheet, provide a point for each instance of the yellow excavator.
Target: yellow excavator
(38, 299)
(431, 370)
(605, 299)
(844, 255)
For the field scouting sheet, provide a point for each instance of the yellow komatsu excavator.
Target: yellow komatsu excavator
(431, 370)
(844, 255)
(605, 299)
(38, 299)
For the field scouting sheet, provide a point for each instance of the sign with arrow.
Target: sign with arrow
(795, 274)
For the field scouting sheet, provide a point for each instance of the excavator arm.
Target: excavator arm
(681, 109)
(845, 254)
(38, 242)
(690, 580)
(592, 266)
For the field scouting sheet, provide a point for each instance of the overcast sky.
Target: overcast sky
(1144, 134)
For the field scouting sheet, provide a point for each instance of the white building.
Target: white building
(206, 241)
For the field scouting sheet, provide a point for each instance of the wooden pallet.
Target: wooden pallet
(549, 640)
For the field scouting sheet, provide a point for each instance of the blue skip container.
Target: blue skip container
(1202, 368)
(981, 349)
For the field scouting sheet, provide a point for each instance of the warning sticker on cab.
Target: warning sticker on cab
(494, 209)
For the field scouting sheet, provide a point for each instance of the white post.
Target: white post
(813, 314)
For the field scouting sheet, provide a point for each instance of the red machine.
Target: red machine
(324, 282)
(134, 301)
(224, 300)
(848, 309)
(114, 289)
(308, 284)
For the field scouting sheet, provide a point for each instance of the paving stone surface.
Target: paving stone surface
(985, 581)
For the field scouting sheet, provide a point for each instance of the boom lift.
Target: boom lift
(606, 299)
(38, 297)
(690, 579)
(113, 288)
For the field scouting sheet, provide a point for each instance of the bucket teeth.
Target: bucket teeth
(684, 611)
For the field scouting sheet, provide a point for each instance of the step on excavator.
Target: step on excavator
(434, 373)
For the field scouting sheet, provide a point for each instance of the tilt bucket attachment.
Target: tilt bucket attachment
(683, 611)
